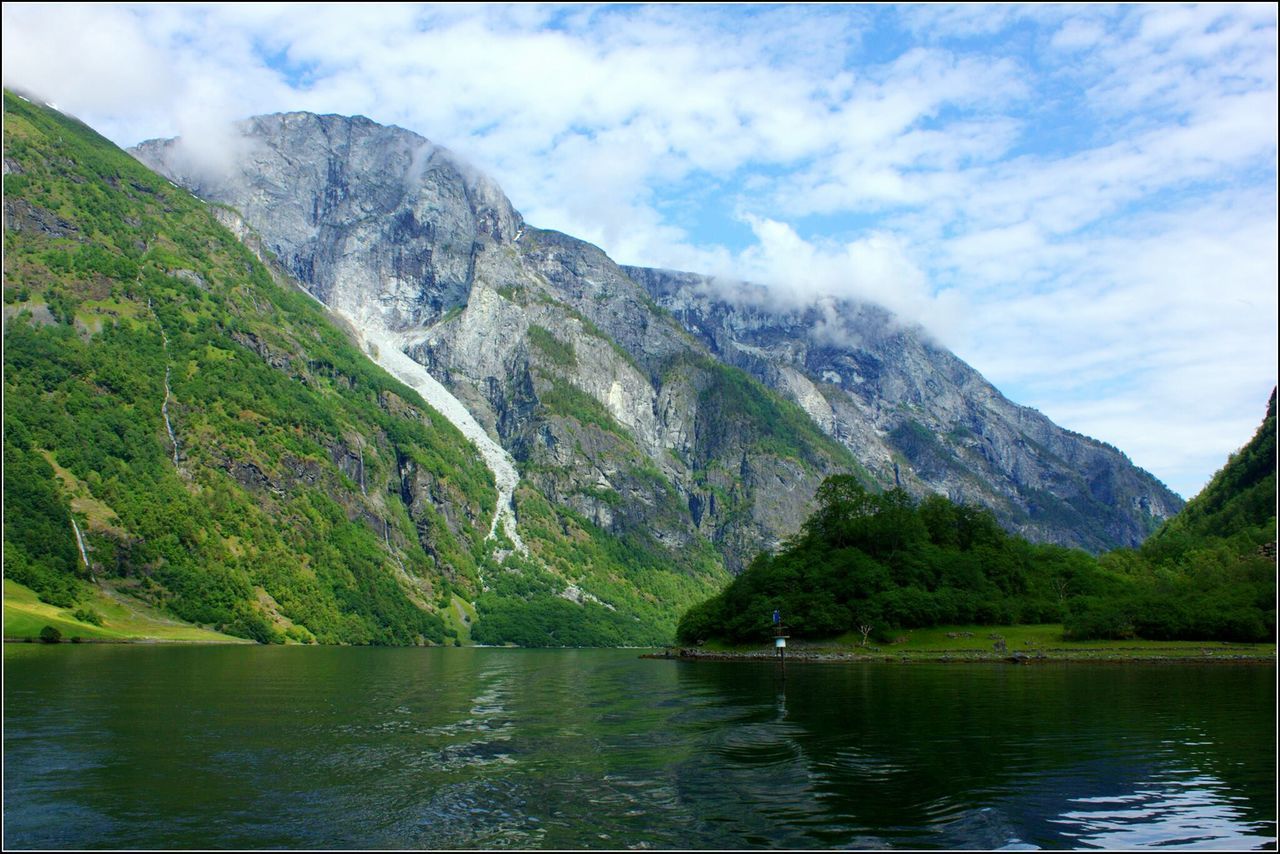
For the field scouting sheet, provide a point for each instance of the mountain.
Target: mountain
(186, 427)
(917, 416)
(648, 400)
(345, 393)
(609, 408)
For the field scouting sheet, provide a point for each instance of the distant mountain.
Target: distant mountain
(917, 416)
(719, 411)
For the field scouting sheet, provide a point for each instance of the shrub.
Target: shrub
(50, 635)
(300, 634)
(88, 615)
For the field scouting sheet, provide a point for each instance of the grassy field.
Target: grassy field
(454, 616)
(123, 619)
(978, 643)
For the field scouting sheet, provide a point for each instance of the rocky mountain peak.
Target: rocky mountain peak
(380, 221)
(916, 415)
(625, 391)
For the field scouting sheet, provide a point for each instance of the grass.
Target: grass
(98, 515)
(453, 618)
(123, 619)
(975, 643)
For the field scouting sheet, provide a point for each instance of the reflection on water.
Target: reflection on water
(342, 748)
(1167, 813)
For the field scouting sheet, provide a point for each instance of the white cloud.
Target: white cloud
(1077, 198)
(1078, 34)
(87, 58)
(876, 268)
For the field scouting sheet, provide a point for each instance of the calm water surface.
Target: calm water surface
(234, 747)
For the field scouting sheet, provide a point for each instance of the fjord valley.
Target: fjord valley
(737, 409)
(639, 426)
(342, 392)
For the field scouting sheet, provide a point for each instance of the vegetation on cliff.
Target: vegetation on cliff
(232, 459)
(229, 455)
(880, 563)
(1209, 572)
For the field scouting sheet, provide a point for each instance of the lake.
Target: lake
(309, 747)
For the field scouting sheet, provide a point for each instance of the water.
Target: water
(234, 747)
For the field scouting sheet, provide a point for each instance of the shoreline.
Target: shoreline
(1113, 655)
(1226, 654)
(152, 641)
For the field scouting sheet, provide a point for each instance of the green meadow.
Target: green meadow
(123, 619)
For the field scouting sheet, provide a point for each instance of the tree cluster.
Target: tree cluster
(875, 563)
(887, 562)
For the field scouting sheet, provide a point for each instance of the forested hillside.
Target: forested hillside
(877, 563)
(226, 452)
(1209, 572)
(1237, 509)
(231, 457)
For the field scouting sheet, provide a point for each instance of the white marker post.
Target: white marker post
(780, 638)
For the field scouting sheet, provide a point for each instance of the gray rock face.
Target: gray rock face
(623, 393)
(914, 414)
(378, 220)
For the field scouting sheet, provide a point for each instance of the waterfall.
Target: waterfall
(164, 410)
(164, 407)
(80, 542)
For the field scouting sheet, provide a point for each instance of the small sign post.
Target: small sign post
(780, 637)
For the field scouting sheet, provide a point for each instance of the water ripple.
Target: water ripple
(351, 748)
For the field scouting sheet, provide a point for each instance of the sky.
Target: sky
(1079, 200)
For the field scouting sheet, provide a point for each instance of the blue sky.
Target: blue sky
(1079, 200)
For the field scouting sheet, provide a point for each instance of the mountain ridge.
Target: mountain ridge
(234, 459)
(534, 300)
(773, 341)
(648, 463)
(470, 318)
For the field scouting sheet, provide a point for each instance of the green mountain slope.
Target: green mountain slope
(277, 497)
(232, 458)
(1237, 506)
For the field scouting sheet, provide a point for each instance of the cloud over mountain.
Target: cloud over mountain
(1079, 200)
